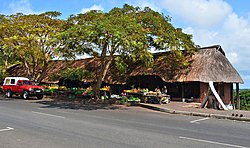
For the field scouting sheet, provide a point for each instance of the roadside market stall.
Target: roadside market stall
(136, 96)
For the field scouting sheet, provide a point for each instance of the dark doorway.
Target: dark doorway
(145, 81)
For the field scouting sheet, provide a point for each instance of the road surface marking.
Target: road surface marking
(197, 121)
(6, 129)
(48, 114)
(212, 142)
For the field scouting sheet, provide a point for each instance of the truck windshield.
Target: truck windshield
(28, 83)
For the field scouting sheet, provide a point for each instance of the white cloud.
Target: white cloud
(233, 57)
(235, 46)
(235, 22)
(233, 36)
(188, 30)
(94, 7)
(247, 77)
(213, 22)
(20, 6)
(147, 3)
(198, 13)
(203, 37)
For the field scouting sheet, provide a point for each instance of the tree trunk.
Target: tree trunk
(43, 73)
(26, 65)
(105, 64)
(101, 75)
(6, 64)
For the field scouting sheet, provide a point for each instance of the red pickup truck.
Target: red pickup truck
(22, 86)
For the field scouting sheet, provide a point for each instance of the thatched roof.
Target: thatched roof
(55, 66)
(211, 64)
(208, 64)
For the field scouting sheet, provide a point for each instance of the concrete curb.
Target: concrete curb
(216, 116)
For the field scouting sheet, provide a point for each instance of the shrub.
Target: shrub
(244, 99)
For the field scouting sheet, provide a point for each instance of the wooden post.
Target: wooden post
(182, 90)
(232, 95)
(238, 95)
(205, 98)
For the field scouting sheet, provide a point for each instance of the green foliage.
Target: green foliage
(3, 72)
(124, 99)
(27, 38)
(133, 99)
(244, 99)
(121, 65)
(6, 56)
(129, 31)
(74, 74)
(50, 90)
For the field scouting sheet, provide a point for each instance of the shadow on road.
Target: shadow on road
(77, 105)
(63, 104)
(16, 97)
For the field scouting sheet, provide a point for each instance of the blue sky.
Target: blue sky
(211, 22)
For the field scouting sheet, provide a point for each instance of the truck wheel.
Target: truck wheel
(39, 96)
(8, 94)
(25, 95)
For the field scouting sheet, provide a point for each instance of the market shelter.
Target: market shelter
(208, 64)
(211, 64)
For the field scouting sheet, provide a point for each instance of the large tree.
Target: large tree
(7, 57)
(129, 31)
(28, 38)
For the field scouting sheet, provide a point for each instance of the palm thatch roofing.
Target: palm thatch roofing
(208, 64)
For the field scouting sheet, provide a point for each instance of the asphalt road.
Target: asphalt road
(26, 124)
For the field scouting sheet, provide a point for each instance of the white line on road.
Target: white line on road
(212, 142)
(6, 129)
(51, 115)
(196, 121)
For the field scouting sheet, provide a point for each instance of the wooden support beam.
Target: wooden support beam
(182, 90)
(232, 95)
(238, 95)
(203, 103)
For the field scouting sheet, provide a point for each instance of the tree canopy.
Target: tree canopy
(73, 74)
(27, 39)
(130, 31)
